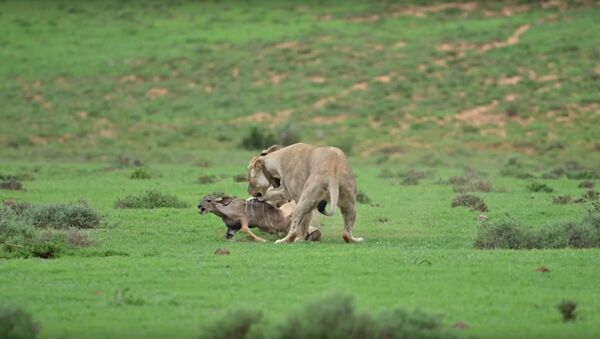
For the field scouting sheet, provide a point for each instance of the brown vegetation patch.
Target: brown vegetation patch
(330, 120)
(264, 118)
(365, 18)
(222, 251)
(509, 81)
(287, 45)
(156, 92)
(423, 11)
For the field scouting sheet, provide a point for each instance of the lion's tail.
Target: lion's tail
(334, 193)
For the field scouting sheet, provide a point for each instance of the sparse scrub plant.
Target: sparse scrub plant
(473, 202)
(140, 173)
(151, 199)
(537, 187)
(16, 323)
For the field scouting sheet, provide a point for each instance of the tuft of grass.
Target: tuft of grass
(567, 309)
(586, 184)
(591, 195)
(11, 185)
(150, 199)
(207, 179)
(140, 173)
(237, 324)
(240, 178)
(124, 296)
(562, 200)
(362, 198)
(537, 187)
(473, 202)
(16, 323)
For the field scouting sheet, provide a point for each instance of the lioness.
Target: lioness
(312, 176)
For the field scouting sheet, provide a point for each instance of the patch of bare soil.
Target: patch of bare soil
(423, 11)
(509, 81)
(330, 120)
(487, 115)
(265, 118)
(461, 47)
(156, 92)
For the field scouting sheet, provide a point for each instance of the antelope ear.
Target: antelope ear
(224, 200)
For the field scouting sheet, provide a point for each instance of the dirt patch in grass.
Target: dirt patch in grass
(473, 202)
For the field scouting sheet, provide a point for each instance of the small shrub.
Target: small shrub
(335, 317)
(126, 161)
(288, 134)
(409, 181)
(63, 216)
(586, 184)
(506, 233)
(77, 238)
(331, 317)
(207, 179)
(591, 195)
(554, 174)
(140, 173)
(567, 309)
(151, 199)
(477, 185)
(514, 168)
(346, 144)
(362, 198)
(240, 178)
(11, 185)
(562, 200)
(18, 206)
(510, 234)
(537, 187)
(235, 325)
(258, 139)
(386, 173)
(15, 323)
(473, 202)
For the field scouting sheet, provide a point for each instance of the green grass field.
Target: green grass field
(89, 88)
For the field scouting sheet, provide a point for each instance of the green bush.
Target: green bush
(62, 216)
(507, 233)
(151, 199)
(15, 323)
(258, 139)
(44, 231)
(140, 173)
(235, 325)
(473, 202)
(331, 317)
(537, 187)
(362, 198)
(510, 234)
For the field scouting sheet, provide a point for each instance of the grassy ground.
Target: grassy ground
(153, 272)
(90, 79)
(87, 89)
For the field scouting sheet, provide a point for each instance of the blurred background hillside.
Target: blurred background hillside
(184, 81)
